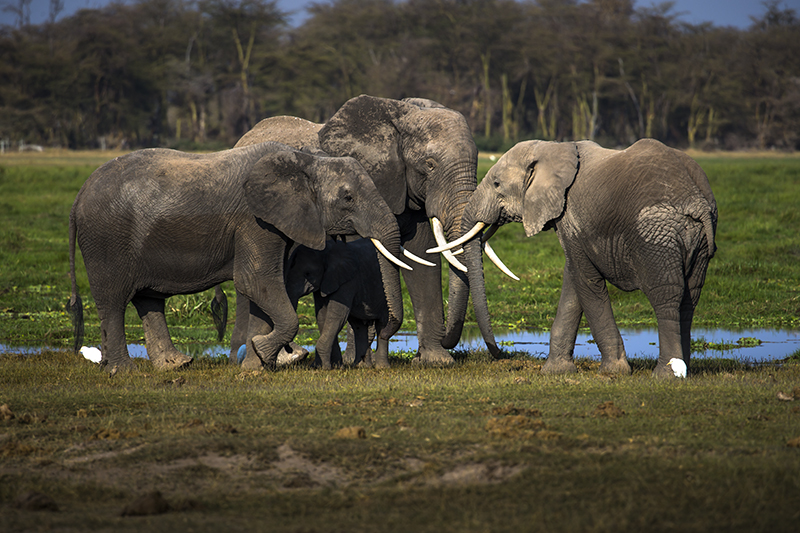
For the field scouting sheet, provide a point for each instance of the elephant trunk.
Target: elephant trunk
(459, 287)
(479, 210)
(384, 229)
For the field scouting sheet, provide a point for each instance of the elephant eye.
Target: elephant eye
(345, 194)
(430, 164)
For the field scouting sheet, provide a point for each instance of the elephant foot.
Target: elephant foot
(173, 361)
(559, 365)
(662, 371)
(265, 351)
(123, 364)
(616, 366)
(290, 354)
(252, 362)
(318, 363)
(428, 357)
(379, 359)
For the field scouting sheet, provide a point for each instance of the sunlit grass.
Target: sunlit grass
(752, 281)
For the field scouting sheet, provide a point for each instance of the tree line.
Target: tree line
(200, 73)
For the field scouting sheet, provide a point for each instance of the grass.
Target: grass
(481, 446)
(752, 282)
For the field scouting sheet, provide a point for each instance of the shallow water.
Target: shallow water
(775, 344)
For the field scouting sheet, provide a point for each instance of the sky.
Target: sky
(734, 13)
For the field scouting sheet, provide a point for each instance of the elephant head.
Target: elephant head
(528, 184)
(308, 196)
(421, 156)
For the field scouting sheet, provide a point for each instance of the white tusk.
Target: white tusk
(382, 249)
(419, 260)
(458, 242)
(438, 233)
(490, 253)
(453, 261)
(459, 251)
(490, 232)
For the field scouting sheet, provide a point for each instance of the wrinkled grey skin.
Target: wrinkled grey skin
(156, 223)
(641, 218)
(347, 285)
(423, 161)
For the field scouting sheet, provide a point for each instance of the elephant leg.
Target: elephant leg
(219, 311)
(564, 330)
(670, 340)
(112, 336)
(350, 357)
(424, 286)
(320, 309)
(258, 324)
(372, 332)
(273, 320)
(674, 307)
(360, 340)
(596, 304)
(335, 317)
(380, 358)
(240, 326)
(291, 353)
(160, 350)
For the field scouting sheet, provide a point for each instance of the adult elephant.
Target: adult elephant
(423, 160)
(641, 218)
(156, 223)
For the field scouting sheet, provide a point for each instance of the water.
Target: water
(775, 344)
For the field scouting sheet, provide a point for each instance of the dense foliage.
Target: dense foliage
(202, 72)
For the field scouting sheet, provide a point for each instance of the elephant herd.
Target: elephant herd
(270, 214)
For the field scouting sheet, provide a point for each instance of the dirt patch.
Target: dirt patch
(478, 474)
(607, 410)
(513, 422)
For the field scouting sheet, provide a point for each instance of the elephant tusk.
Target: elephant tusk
(458, 242)
(382, 249)
(490, 253)
(419, 260)
(438, 233)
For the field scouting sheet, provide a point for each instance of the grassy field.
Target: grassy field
(481, 446)
(752, 281)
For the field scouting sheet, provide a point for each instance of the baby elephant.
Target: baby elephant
(347, 285)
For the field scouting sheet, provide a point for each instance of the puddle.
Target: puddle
(775, 344)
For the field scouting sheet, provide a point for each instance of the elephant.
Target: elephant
(157, 222)
(346, 281)
(423, 160)
(640, 218)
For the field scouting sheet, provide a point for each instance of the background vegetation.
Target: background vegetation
(189, 73)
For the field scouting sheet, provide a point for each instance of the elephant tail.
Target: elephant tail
(75, 305)
(710, 225)
(706, 214)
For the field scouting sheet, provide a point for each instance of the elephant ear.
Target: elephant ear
(551, 169)
(365, 128)
(340, 267)
(279, 191)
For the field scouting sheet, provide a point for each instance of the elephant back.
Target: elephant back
(293, 131)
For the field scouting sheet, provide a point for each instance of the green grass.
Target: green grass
(481, 446)
(752, 281)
